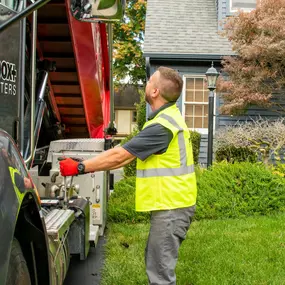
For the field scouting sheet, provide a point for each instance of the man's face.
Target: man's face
(151, 87)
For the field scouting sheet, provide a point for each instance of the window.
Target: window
(134, 116)
(195, 107)
(245, 5)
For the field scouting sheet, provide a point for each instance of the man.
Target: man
(166, 182)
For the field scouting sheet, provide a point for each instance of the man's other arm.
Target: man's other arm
(111, 159)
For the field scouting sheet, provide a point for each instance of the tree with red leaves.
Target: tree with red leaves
(258, 69)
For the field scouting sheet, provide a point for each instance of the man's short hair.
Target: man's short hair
(170, 83)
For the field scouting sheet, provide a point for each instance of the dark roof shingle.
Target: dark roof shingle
(183, 27)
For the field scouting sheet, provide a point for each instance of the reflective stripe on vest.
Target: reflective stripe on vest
(181, 140)
(184, 169)
(165, 171)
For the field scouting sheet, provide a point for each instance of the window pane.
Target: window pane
(189, 121)
(199, 96)
(189, 96)
(189, 110)
(199, 110)
(198, 122)
(199, 83)
(196, 113)
(205, 110)
(205, 122)
(189, 83)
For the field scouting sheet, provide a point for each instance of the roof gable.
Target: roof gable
(183, 27)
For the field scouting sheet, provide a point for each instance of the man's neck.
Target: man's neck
(162, 107)
(157, 105)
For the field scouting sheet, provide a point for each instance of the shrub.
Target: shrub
(141, 110)
(278, 169)
(238, 190)
(195, 138)
(121, 206)
(130, 169)
(235, 154)
(265, 138)
(224, 191)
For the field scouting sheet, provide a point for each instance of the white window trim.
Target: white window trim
(200, 130)
(242, 9)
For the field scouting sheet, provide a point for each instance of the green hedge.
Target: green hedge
(121, 206)
(130, 169)
(238, 190)
(141, 111)
(225, 191)
(195, 138)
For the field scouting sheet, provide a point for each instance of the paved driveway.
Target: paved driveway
(87, 272)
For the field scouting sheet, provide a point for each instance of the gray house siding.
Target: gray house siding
(222, 11)
(224, 8)
(203, 150)
(253, 113)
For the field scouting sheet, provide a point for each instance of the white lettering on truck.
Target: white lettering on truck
(8, 75)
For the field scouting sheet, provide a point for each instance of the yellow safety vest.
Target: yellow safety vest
(167, 181)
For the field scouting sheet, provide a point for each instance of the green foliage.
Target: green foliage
(141, 111)
(195, 138)
(121, 206)
(235, 154)
(225, 191)
(128, 42)
(278, 169)
(130, 169)
(238, 190)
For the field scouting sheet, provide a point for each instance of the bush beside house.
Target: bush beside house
(260, 139)
(195, 139)
(227, 190)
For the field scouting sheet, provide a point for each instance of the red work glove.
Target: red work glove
(68, 167)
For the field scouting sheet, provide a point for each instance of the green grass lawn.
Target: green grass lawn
(223, 252)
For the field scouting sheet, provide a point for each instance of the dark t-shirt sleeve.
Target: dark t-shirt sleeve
(154, 139)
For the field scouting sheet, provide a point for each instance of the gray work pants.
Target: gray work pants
(167, 231)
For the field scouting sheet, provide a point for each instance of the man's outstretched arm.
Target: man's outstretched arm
(111, 159)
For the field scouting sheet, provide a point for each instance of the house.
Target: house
(184, 35)
(125, 110)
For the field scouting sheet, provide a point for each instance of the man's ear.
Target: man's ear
(155, 93)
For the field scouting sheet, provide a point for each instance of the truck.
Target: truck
(56, 101)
